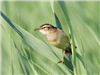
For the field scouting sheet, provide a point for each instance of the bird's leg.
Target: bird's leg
(62, 61)
(63, 57)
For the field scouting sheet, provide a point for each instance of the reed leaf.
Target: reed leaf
(33, 41)
(65, 11)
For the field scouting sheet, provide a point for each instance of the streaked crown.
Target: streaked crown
(45, 28)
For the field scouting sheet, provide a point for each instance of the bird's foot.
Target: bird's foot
(60, 62)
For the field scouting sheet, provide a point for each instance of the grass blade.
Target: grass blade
(57, 21)
(21, 62)
(24, 67)
(67, 63)
(58, 24)
(35, 43)
(65, 11)
(33, 69)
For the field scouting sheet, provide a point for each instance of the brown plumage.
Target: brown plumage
(56, 37)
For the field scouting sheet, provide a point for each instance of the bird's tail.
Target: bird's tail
(68, 50)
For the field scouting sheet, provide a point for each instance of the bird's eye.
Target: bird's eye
(44, 27)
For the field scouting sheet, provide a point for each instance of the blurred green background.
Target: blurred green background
(84, 17)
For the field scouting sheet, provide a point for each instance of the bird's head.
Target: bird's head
(45, 28)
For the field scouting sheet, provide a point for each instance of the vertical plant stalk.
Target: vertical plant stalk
(0, 46)
(65, 11)
(99, 37)
(0, 39)
(58, 24)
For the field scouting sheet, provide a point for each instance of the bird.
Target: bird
(57, 37)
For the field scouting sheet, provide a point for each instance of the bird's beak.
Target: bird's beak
(36, 29)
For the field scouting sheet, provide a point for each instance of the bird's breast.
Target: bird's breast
(58, 41)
